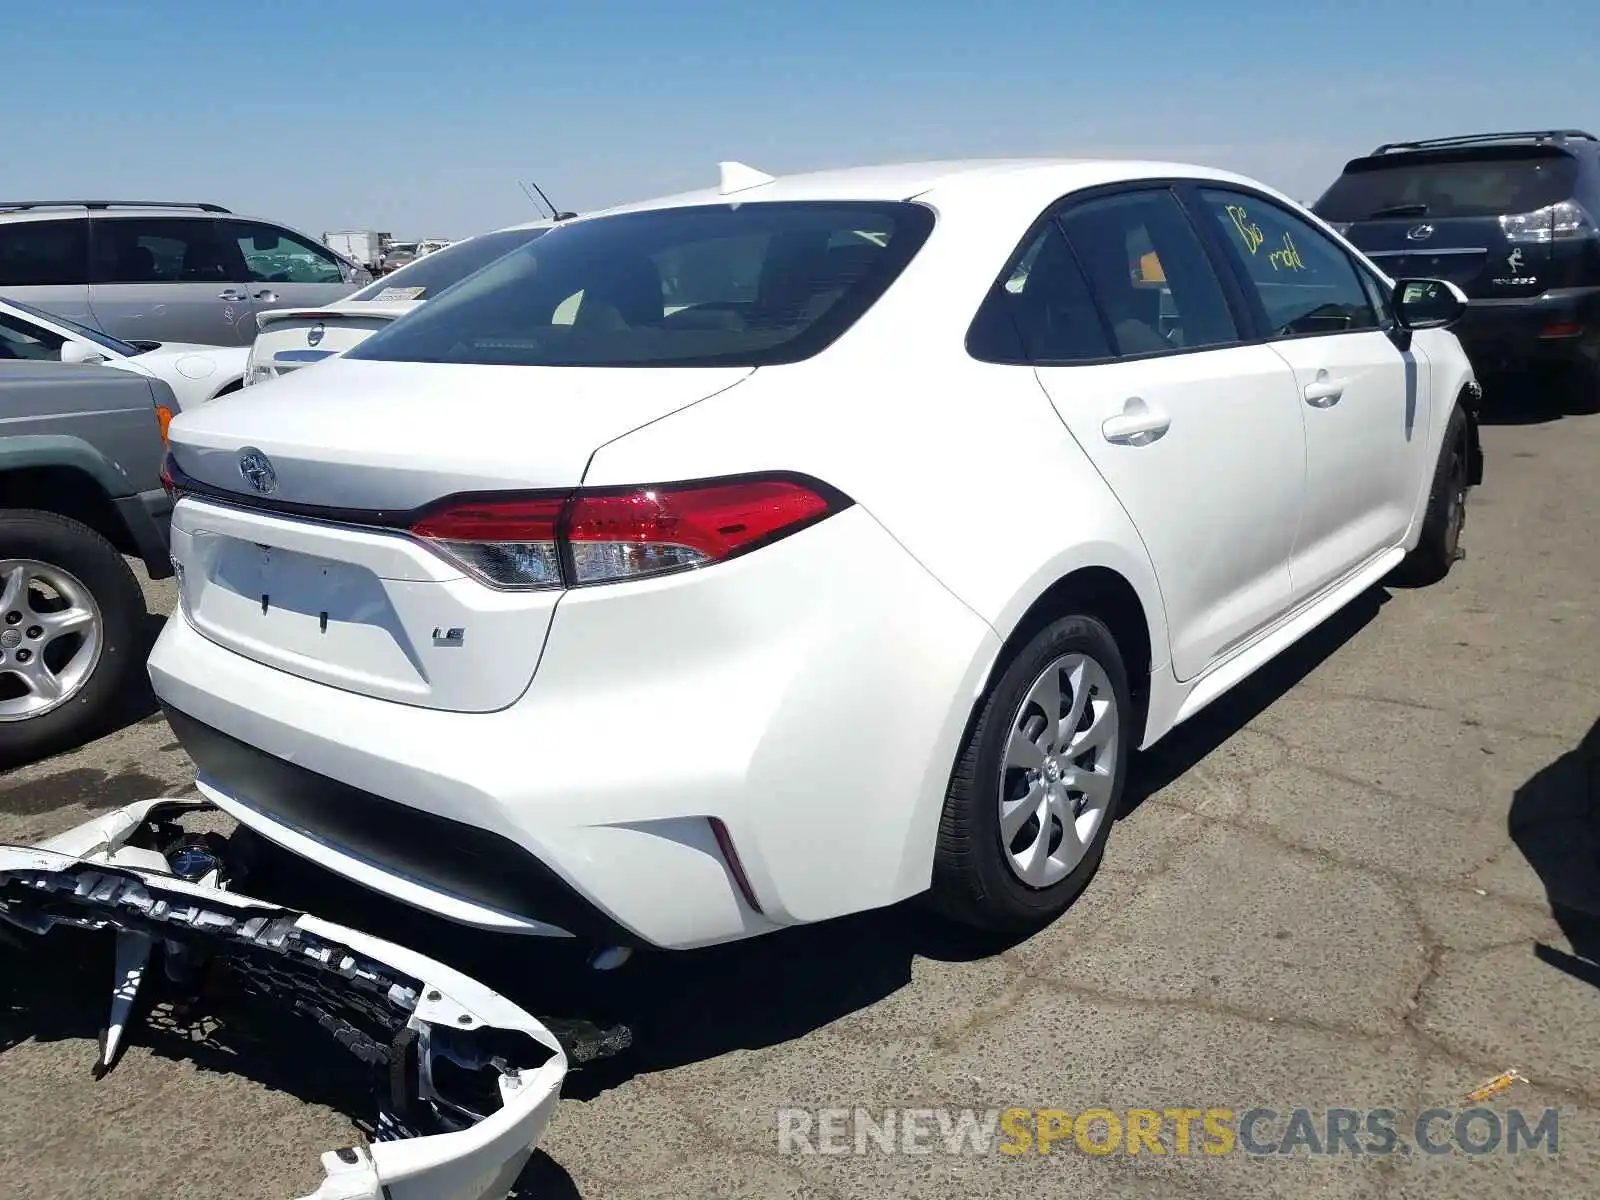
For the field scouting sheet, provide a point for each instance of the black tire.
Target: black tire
(75, 548)
(973, 882)
(1446, 516)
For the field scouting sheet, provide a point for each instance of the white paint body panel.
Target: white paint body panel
(811, 695)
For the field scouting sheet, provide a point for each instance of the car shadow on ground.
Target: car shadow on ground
(682, 1007)
(1531, 398)
(1555, 823)
(1213, 725)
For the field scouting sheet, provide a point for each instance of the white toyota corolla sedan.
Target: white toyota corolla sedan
(787, 549)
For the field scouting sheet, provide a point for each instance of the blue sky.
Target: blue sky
(420, 118)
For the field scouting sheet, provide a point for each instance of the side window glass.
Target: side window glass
(1040, 311)
(44, 253)
(1379, 297)
(273, 255)
(1305, 282)
(160, 250)
(19, 339)
(1150, 274)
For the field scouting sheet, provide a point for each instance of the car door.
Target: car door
(286, 270)
(168, 279)
(1364, 400)
(1196, 433)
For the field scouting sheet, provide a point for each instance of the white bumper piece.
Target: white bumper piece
(381, 1001)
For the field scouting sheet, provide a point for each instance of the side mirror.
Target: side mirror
(81, 352)
(1428, 303)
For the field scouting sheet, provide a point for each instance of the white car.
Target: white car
(768, 553)
(295, 337)
(196, 374)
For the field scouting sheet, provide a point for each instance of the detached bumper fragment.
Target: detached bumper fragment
(468, 1080)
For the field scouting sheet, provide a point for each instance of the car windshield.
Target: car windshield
(713, 285)
(1484, 183)
(426, 277)
(103, 340)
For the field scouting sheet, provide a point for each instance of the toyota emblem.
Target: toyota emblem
(1419, 233)
(256, 470)
(314, 334)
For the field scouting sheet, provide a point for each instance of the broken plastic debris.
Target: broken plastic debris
(1498, 1084)
(461, 1135)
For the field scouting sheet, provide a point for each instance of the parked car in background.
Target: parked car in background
(80, 486)
(759, 555)
(142, 270)
(1509, 217)
(195, 374)
(290, 338)
(363, 246)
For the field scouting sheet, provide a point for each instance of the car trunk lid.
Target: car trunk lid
(311, 568)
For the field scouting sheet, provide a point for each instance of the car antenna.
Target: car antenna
(555, 213)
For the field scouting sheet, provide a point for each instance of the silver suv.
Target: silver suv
(143, 270)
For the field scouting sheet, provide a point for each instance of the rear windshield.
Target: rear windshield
(725, 284)
(1480, 184)
(427, 277)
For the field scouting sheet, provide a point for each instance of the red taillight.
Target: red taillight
(612, 534)
(1562, 329)
(730, 855)
(169, 476)
(511, 543)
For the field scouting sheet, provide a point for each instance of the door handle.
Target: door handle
(1324, 392)
(1137, 425)
(232, 294)
(269, 296)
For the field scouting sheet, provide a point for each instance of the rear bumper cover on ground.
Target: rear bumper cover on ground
(415, 1019)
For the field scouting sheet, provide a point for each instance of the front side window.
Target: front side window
(162, 250)
(712, 285)
(24, 340)
(1149, 273)
(273, 255)
(36, 329)
(44, 253)
(1304, 280)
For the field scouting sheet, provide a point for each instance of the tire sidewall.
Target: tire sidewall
(1081, 635)
(83, 553)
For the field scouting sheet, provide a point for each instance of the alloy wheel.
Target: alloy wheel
(51, 636)
(1058, 775)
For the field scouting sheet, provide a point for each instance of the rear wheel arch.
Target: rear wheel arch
(1108, 596)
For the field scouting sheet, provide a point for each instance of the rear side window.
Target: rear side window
(1480, 184)
(164, 250)
(1149, 273)
(1040, 311)
(44, 253)
(725, 284)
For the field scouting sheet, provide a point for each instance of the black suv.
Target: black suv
(1511, 218)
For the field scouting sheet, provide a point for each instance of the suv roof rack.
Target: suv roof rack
(1474, 139)
(15, 205)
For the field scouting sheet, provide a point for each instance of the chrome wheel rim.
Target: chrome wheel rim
(51, 637)
(1059, 770)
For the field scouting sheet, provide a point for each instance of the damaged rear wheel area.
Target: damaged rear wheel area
(465, 1080)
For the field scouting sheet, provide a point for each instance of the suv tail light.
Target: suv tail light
(1553, 223)
(603, 535)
